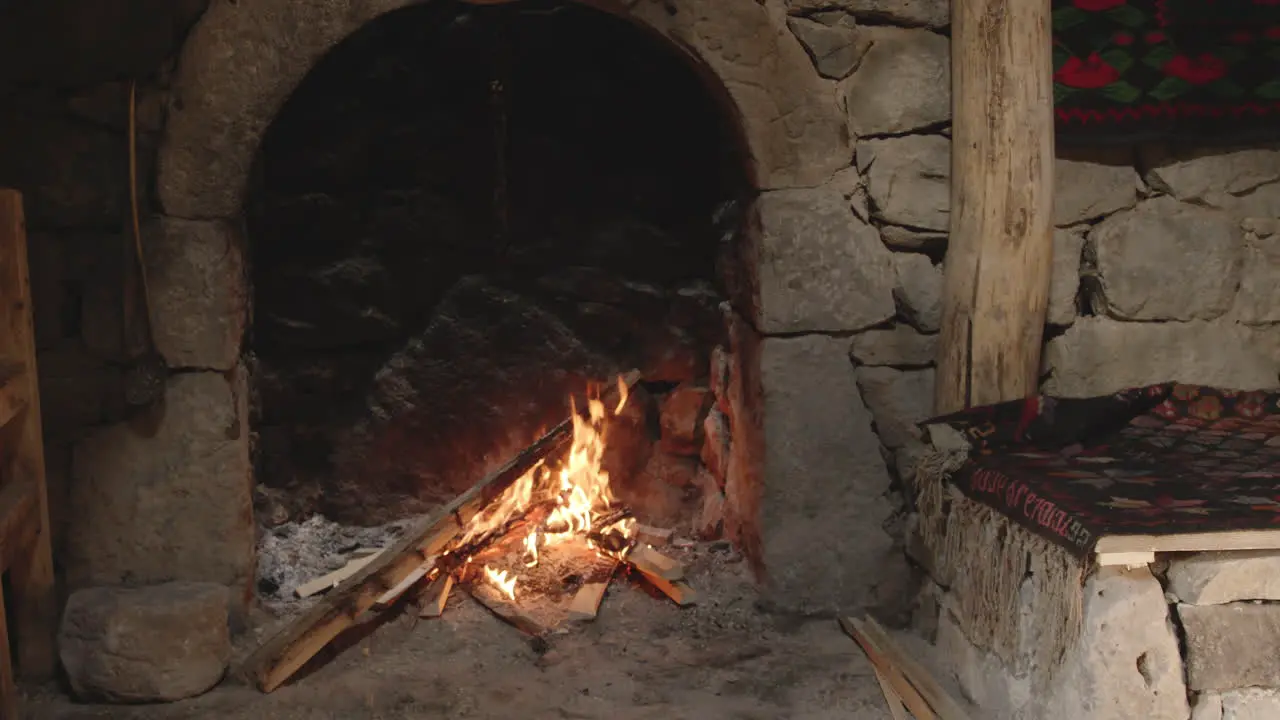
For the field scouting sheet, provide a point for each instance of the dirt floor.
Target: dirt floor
(641, 658)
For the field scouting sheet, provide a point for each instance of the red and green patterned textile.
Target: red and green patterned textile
(1158, 460)
(1131, 70)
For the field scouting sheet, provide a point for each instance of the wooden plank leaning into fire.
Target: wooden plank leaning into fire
(435, 596)
(335, 578)
(283, 654)
(389, 598)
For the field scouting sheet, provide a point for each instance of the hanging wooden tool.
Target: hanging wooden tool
(146, 370)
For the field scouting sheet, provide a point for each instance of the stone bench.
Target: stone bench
(1193, 636)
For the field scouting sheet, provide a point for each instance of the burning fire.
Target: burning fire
(575, 493)
(506, 583)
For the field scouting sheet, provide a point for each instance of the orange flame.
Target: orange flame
(577, 490)
(505, 583)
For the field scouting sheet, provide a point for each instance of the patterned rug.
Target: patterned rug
(1159, 460)
(1133, 70)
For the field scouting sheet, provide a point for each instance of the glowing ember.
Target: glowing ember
(505, 583)
(574, 495)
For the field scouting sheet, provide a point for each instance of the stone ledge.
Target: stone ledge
(1231, 646)
(1247, 704)
(1216, 578)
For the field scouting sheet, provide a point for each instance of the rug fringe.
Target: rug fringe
(987, 561)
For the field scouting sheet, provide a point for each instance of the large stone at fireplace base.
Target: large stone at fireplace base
(169, 496)
(822, 504)
(159, 643)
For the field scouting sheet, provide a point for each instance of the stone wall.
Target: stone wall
(1192, 637)
(1228, 607)
(843, 108)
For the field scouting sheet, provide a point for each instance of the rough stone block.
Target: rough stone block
(716, 444)
(898, 401)
(1064, 282)
(1126, 663)
(76, 391)
(168, 502)
(836, 48)
(160, 643)
(1231, 646)
(919, 290)
(900, 347)
(71, 174)
(1194, 173)
(820, 269)
(900, 238)
(824, 481)
(199, 294)
(1093, 183)
(1166, 260)
(682, 413)
(72, 43)
(909, 179)
(1215, 578)
(933, 13)
(1098, 356)
(902, 84)
(1259, 298)
(982, 678)
(1245, 704)
(1261, 202)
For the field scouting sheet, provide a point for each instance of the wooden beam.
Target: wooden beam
(12, 390)
(996, 275)
(19, 520)
(282, 655)
(31, 574)
(1189, 542)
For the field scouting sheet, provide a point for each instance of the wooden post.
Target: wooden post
(996, 277)
(31, 574)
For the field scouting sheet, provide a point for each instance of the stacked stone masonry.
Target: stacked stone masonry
(1192, 638)
(1165, 269)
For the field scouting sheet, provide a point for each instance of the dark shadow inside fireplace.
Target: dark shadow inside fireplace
(462, 215)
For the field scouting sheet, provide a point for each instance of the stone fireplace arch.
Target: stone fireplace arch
(243, 59)
(813, 273)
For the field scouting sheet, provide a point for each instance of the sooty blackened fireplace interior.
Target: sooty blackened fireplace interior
(463, 215)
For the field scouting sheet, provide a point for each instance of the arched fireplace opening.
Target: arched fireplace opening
(464, 214)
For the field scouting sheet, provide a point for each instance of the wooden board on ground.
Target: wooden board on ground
(282, 655)
(899, 690)
(586, 602)
(897, 708)
(652, 562)
(898, 667)
(504, 608)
